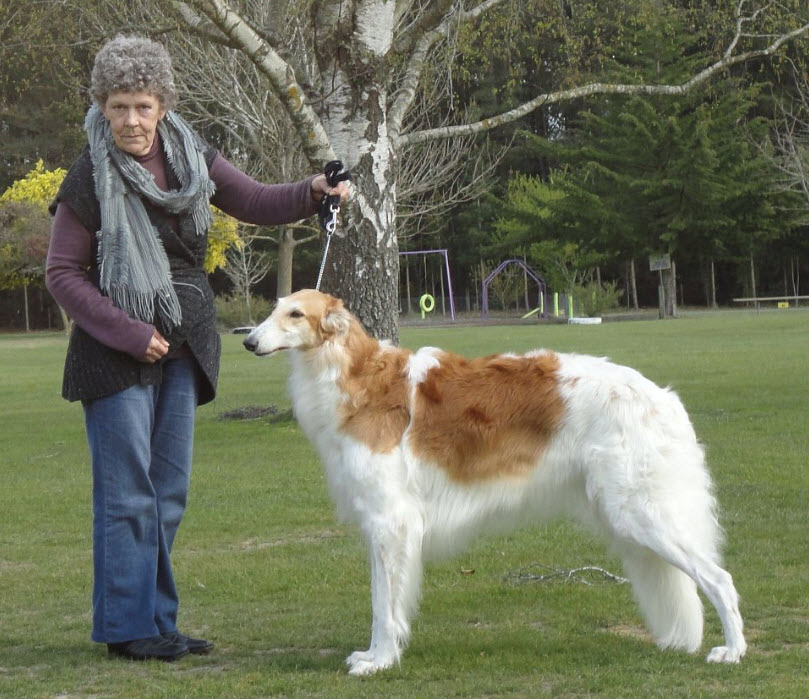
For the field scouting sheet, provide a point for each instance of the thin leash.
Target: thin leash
(330, 227)
(329, 208)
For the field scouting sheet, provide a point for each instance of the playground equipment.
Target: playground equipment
(446, 272)
(426, 304)
(540, 282)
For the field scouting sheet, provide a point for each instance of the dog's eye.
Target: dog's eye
(295, 314)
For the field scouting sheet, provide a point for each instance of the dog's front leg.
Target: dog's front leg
(383, 651)
(395, 581)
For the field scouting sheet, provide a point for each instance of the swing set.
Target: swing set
(427, 301)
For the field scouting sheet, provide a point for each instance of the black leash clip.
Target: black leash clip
(330, 205)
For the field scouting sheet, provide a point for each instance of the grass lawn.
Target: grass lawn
(281, 587)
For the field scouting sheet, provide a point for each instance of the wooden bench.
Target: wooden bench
(758, 299)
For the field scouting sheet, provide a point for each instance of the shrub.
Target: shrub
(232, 312)
(592, 299)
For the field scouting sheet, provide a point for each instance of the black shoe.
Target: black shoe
(154, 648)
(197, 646)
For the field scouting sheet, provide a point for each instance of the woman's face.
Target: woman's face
(133, 118)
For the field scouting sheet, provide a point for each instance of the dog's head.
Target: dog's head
(304, 320)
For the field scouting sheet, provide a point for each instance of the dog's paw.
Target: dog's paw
(364, 667)
(366, 662)
(359, 656)
(724, 654)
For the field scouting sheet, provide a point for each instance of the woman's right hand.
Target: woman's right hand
(158, 347)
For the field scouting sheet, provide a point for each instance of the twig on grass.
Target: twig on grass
(587, 575)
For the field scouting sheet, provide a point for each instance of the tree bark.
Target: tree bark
(633, 285)
(286, 252)
(753, 278)
(670, 291)
(25, 297)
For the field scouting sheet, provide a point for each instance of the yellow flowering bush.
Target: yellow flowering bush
(222, 235)
(39, 186)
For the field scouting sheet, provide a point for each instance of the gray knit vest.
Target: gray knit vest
(93, 370)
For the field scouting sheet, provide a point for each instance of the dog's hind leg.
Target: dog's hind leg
(396, 564)
(658, 570)
(667, 597)
(649, 487)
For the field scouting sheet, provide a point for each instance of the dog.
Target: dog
(424, 450)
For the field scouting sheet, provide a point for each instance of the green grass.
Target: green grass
(267, 573)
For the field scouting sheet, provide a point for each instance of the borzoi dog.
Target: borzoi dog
(424, 450)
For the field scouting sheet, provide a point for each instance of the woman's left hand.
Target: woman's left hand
(320, 188)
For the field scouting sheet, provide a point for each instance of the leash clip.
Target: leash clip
(329, 208)
(328, 213)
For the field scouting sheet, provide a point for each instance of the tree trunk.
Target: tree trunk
(248, 305)
(363, 269)
(795, 277)
(409, 300)
(633, 284)
(25, 297)
(753, 279)
(286, 251)
(669, 277)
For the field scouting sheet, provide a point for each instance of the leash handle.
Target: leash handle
(330, 204)
(335, 173)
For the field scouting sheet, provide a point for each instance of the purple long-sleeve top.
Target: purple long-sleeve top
(71, 247)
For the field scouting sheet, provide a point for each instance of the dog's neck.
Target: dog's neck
(343, 351)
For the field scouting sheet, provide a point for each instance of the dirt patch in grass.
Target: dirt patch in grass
(270, 413)
(629, 631)
(302, 538)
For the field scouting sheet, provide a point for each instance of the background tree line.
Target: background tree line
(583, 185)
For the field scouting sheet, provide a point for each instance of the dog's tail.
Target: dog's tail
(668, 599)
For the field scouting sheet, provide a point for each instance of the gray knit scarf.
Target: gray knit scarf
(134, 268)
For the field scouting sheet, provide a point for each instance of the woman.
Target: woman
(126, 263)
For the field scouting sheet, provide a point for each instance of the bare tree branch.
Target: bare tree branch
(425, 35)
(314, 141)
(741, 20)
(202, 28)
(605, 89)
(439, 176)
(423, 21)
(791, 141)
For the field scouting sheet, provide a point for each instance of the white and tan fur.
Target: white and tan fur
(426, 450)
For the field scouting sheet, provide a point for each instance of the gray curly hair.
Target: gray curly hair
(133, 64)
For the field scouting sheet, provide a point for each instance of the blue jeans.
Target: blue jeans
(141, 443)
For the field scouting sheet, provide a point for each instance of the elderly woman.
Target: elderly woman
(126, 263)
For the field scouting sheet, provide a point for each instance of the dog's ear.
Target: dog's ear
(336, 319)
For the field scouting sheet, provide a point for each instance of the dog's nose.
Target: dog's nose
(250, 344)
